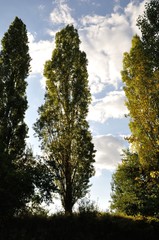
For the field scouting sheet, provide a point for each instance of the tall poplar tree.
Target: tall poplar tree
(142, 92)
(141, 85)
(135, 184)
(14, 68)
(149, 25)
(62, 125)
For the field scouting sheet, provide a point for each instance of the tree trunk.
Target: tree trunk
(68, 201)
(68, 204)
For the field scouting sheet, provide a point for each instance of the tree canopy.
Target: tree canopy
(62, 125)
(14, 68)
(141, 89)
(20, 173)
(149, 25)
(134, 191)
(136, 182)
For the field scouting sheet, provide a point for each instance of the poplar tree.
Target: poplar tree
(14, 69)
(149, 25)
(135, 184)
(62, 126)
(142, 93)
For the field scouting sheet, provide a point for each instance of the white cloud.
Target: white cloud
(111, 106)
(109, 150)
(105, 39)
(40, 52)
(132, 12)
(61, 14)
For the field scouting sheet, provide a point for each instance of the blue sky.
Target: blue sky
(105, 28)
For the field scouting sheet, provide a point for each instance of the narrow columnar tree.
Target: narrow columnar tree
(148, 23)
(142, 92)
(135, 185)
(62, 125)
(14, 68)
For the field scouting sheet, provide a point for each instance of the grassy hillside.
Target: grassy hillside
(87, 226)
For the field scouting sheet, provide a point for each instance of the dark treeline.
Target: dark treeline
(90, 226)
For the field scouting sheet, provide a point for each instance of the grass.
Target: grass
(83, 226)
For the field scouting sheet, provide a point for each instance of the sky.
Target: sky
(105, 28)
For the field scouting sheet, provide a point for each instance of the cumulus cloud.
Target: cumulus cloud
(132, 12)
(111, 106)
(61, 14)
(40, 52)
(109, 150)
(105, 39)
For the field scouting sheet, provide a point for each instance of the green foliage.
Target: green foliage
(124, 186)
(86, 206)
(20, 172)
(141, 89)
(62, 126)
(136, 182)
(148, 23)
(14, 68)
(79, 227)
(134, 191)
